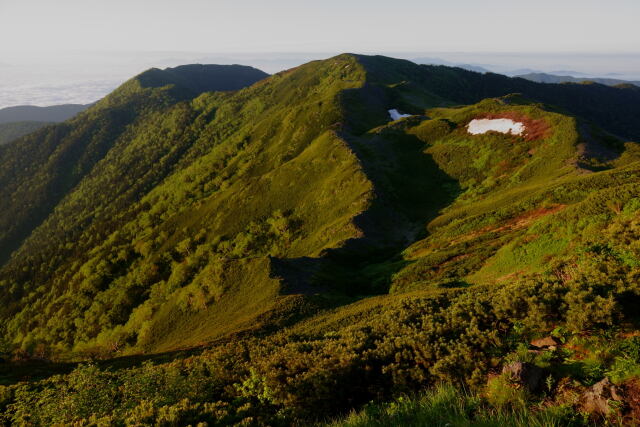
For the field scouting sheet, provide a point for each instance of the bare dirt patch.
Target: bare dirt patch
(632, 399)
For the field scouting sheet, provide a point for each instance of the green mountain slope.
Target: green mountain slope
(216, 180)
(37, 172)
(14, 130)
(210, 163)
(261, 221)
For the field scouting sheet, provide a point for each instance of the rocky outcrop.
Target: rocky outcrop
(545, 343)
(596, 400)
(526, 374)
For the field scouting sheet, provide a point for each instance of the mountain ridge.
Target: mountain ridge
(312, 253)
(365, 93)
(554, 78)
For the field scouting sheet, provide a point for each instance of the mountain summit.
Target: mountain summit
(203, 78)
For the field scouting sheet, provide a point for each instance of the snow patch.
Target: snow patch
(395, 114)
(480, 126)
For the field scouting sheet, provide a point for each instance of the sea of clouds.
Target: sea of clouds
(81, 78)
(84, 92)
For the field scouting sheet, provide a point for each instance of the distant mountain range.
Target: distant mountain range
(552, 78)
(31, 113)
(438, 61)
(560, 76)
(24, 119)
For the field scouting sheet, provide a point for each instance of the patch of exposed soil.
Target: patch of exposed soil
(632, 401)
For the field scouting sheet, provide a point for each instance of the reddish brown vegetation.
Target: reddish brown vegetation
(528, 217)
(503, 167)
(632, 400)
(516, 223)
(450, 262)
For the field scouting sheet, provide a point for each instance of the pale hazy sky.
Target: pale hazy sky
(321, 25)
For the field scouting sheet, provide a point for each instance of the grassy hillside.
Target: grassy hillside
(38, 171)
(187, 204)
(285, 253)
(517, 197)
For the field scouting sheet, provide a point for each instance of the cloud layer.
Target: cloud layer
(43, 95)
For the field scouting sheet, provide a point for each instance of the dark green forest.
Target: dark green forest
(14, 130)
(211, 244)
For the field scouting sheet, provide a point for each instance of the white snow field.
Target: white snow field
(480, 126)
(395, 114)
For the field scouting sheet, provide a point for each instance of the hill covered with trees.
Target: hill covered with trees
(11, 131)
(210, 243)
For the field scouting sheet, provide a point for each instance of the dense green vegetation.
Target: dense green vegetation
(448, 406)
(189, 250)
(14, 130)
